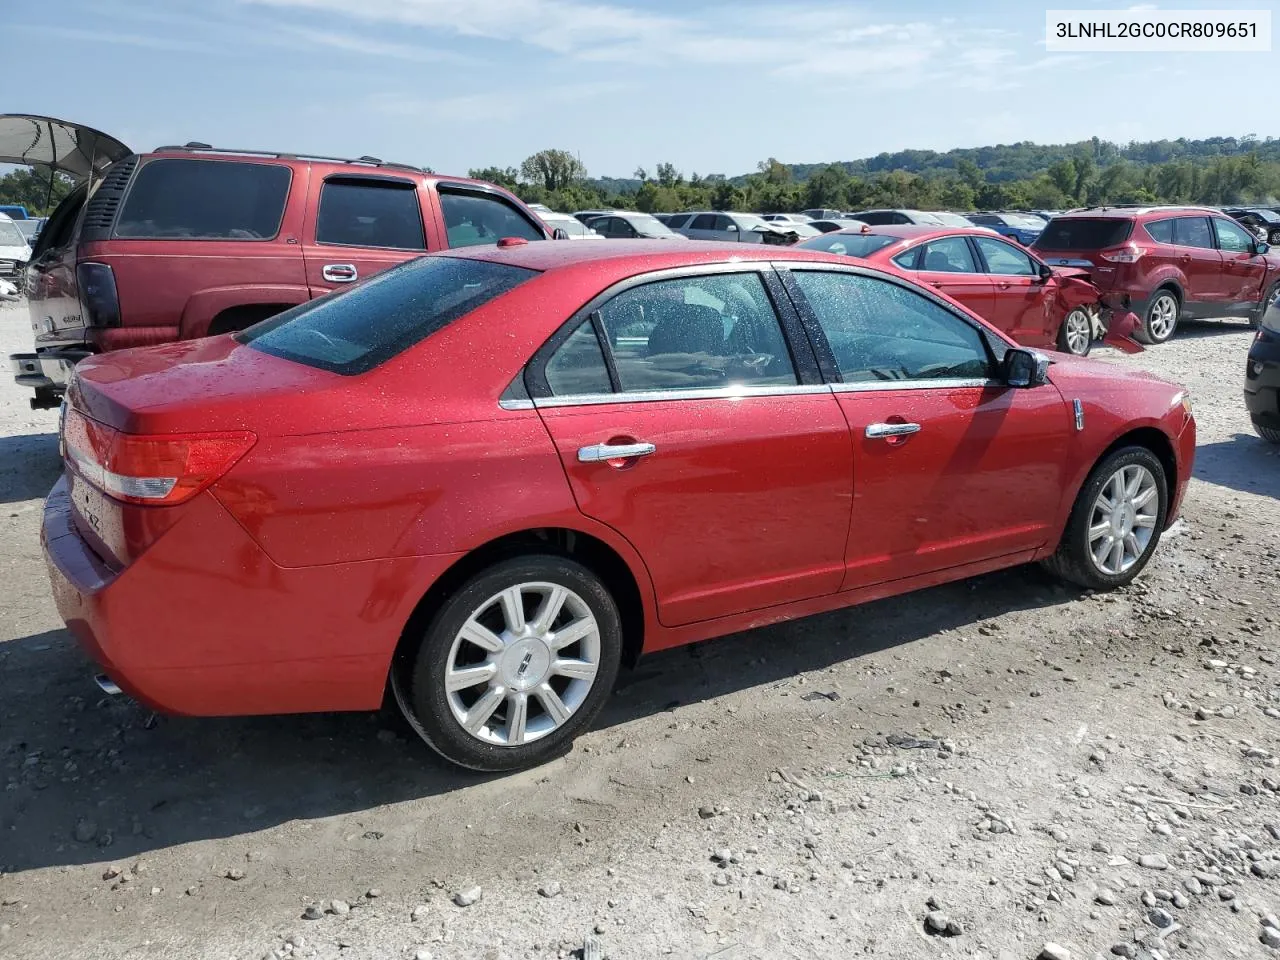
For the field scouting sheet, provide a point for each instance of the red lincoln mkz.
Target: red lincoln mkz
(487, 478)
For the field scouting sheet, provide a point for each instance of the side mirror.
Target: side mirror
(1046, 272)
(1025, 368)
(560, 233)
(1260, 247)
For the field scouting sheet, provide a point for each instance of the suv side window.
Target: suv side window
(193, 199)
(1161, 231)
(725, 223)
(679, 220)
(697, 333)
(1192, 232)
(1231, 237)
(360, 212)
(476, 217)
(1003, 259)
(703, 221)
(879, 331)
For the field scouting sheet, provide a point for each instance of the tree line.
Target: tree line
(1217, 172)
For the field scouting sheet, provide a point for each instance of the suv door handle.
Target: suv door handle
(604, 452)
(339, 272)
(879, 431)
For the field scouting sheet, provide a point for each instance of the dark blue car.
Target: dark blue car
(1022, 227)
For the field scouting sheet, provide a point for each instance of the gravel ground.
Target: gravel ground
(1003, 768)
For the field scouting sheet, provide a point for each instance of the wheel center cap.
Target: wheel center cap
(524, 664)
(1121, 523)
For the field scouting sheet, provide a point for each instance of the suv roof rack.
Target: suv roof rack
(195, 146)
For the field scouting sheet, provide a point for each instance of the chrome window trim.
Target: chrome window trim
(741, 392)
(942, 383)
(747, 392)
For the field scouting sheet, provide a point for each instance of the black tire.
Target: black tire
(1255, 316)
(1145, 333)
(1269, 434)
(1064, 343)
(1074, 560)
(427, 705)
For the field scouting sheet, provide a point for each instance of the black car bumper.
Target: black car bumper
(1262, 380)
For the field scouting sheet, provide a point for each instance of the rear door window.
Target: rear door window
(353, 330)
(1192, 232)
(948, 255)
(359, 212)
(472, 218)
(194, 199)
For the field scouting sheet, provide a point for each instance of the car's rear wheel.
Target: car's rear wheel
(1116, 521)
(1269, 434)
(1076, 333)
(1161, 319)
(515, 664)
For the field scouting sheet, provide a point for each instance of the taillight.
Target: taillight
(162, 469)
(1129, 254)
(98, 298)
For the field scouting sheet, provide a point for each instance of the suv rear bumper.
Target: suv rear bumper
(45, 372)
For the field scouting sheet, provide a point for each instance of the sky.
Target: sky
(711, 87)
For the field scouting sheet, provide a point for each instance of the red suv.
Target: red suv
(1171, 262)
(189, 241)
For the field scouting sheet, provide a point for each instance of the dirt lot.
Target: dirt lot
(1040, 766)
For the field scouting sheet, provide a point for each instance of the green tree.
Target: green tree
(668, 175)
(31, 188)
(553, 169)
(508, 177)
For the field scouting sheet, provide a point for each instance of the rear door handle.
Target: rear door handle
(604, 452)
(339, 272)
(877, 431)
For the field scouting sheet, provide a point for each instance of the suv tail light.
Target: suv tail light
(162, 470)
(1125, 254)
(98, 299)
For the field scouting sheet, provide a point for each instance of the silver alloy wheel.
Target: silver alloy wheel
(1164, 315)
(1079, 331)
(1123, 519)
(522, 664)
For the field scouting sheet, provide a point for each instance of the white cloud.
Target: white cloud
(487, 107)
(354, 43)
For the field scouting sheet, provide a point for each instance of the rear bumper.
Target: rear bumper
(1262, 383)
(48, 371)
(202, 623)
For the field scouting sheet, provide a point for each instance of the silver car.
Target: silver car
(734, 227)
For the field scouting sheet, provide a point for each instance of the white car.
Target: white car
(734, 227)
(14, 251)
(574, 228)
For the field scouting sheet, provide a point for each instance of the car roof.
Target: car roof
(1121, 212)
(915, 231)
(628, 257)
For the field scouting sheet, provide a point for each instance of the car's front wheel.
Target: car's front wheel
(1116, 521)
(515, 664)
(1076, 333)
(1161, 319)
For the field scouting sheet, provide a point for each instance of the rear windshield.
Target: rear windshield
(849, 244)
(354, 330)
(187, 199)
(1081, 233)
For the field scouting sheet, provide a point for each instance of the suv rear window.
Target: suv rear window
(1082, 233)
(188, 199)
(354, 330)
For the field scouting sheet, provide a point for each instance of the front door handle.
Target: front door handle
(604, 452)
(878, 431)
(339, 272)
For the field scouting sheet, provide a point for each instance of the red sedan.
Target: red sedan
(1037, 305)
(487, 478)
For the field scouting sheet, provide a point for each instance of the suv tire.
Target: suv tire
(1255, 316)
(1161, 319)
(1269, 434)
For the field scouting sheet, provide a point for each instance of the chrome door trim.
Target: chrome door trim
(953, 383)
(877, 431)
(340, 272)
(603, 452)
(740, 392)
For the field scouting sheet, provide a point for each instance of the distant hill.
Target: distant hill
(1014, 161)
